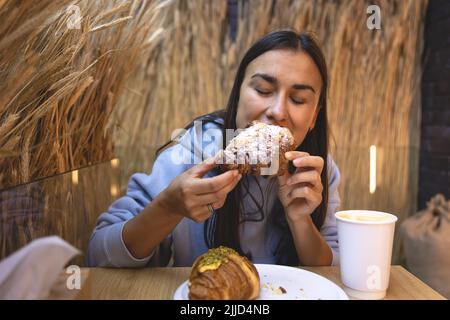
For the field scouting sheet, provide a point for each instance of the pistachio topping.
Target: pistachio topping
(212, 259)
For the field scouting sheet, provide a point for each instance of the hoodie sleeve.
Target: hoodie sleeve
(329, 228)
(106, 247)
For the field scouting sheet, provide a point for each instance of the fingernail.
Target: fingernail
(297, 161)
(288, 181)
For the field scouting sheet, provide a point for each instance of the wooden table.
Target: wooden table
(160, 283)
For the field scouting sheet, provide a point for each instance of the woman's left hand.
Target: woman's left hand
(301, 192)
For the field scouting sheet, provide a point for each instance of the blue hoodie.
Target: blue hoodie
(186, 241)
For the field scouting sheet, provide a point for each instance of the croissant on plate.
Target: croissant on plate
(223, 274)
(258, 150)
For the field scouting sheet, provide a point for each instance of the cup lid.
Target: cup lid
(365, 217)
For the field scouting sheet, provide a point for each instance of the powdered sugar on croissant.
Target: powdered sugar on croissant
(259, 150)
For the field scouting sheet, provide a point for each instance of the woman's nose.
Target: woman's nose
(278, 111)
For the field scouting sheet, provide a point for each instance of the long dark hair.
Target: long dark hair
(222, 228)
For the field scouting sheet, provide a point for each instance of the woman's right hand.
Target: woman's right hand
(189, 194)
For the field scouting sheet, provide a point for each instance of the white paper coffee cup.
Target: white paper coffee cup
(365, 246)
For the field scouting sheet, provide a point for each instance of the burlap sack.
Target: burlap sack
(426, 239)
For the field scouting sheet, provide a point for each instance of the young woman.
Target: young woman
(181, 209)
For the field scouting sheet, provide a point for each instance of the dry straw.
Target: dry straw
(59, 84)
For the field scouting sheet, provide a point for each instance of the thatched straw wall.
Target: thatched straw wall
(59, 84)
(65, 205)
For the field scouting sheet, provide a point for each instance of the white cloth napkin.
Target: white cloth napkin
(30, 272)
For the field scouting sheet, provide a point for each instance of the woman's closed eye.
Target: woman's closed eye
(267, 92)
(297, 101)
(263, 92)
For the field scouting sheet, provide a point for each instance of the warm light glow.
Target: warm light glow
(115, 163)
(373, 169)
(75, 177)
(114, 190)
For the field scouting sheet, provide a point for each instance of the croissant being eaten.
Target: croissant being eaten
(258, 150)
(223, 274)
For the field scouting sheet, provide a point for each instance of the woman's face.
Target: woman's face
(281, 87)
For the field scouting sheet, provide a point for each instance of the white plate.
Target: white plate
(299, 284)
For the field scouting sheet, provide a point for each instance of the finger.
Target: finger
(217, 199)
(282, 180)
(213, 184)
(315, 162)
(218, 196)
(207, 198)
(291, 155)
(202, 168)
(311, 176)
(224, 191)
(306, 193)
(201, 214)
(216, 204)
